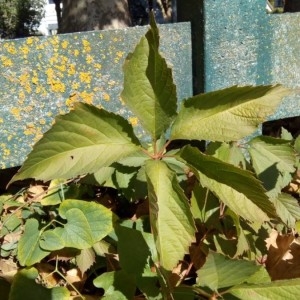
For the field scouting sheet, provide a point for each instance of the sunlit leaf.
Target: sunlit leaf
(79, 142)
(149, 90)
(281, 289)
(171, 219)
(287, 208)
(85, 259)
(87, 223)
(226, 115)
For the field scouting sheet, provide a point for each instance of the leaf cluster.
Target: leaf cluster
(124, 219)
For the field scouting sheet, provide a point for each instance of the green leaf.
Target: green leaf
(118, 285)
(133, 250)
(51, 241)
(205, 207)
(237, 188)
(297, 144)
(85, 259)
(287, 208)
(273, 161)
(149, 90)
(230, 153)
(243, 244)
(24, 286)
(29, 250)
(226, 115)
(171, 219)
(281, 289)
(87, 223)
(56, 192)
(79, 142)
(221, 272)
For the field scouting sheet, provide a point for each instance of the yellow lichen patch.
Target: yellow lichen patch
(76, 52)
(61, 68)
(85, 77)
(35, 80)
(72, 99)
(25, 50)
(98, 66)
(42, 121)
(29, 40)
(54, 40)
(71, 69)
(30, 129)
(1, 121)
(89, 59)
(21, 97)
(50, 75)
(28, 108)
(133, 121)
(10, 48)
(15, 111)
(6, 152)
(86, 46)
(87, 97)
(58, 86)
(65, 44)
(6, 61)
(106, 97)
(75, 85)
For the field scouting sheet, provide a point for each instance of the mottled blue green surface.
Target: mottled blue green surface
(245, 45)
(43, 76)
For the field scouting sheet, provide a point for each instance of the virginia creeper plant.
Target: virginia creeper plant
(192, 224)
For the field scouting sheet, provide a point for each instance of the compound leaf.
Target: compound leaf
(149, 90)
(237, 188)
(79, 142)
(171, 218)
(226, 115)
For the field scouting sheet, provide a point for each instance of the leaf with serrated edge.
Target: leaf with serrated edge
(280, 289)
(149, 90)
(237, 188)
(172, 222)
(273, 160)
(287, 208)
(220, 272)
(85, 259)
(79, 142)
(226, 115)
(29, 250)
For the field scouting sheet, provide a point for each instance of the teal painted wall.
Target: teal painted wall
(43, 76)
(245, 45)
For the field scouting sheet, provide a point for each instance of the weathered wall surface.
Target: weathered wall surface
(43, 76)
(245, 45)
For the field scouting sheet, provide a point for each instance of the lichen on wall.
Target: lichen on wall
(44, 76)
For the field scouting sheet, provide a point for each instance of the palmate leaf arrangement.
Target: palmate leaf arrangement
(193, 195)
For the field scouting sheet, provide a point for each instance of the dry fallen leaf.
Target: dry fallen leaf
(283, 260)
